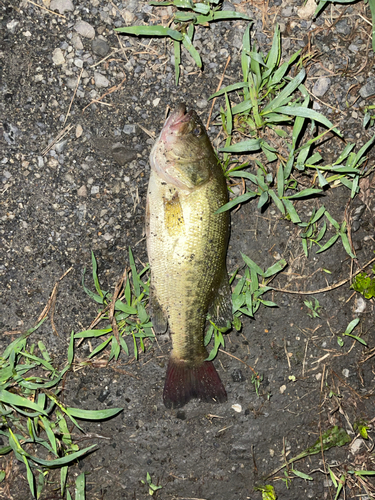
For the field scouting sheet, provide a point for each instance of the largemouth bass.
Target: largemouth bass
(187, 244)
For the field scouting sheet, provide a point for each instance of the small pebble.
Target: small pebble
(321, 86)
(368, 89)
(237, 408)
(345, 372)
(58, 57)
(100, 47)
(82, 191)
(100, 80)
(79, 131)
(237, 375)
(85, 29)
(62, 6)
(129, 129)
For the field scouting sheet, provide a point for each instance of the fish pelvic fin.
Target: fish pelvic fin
(184, 381)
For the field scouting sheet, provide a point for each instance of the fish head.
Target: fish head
(183, 155)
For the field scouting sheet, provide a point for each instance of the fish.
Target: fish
(187, 245)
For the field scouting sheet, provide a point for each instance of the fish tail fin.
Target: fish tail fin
(184, 382)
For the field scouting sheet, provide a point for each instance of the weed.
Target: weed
(314, 308)
(35, 418)
(348, 333)
(365, 284)
(270, 98)
(152, 488)
(130, 314)
(188, 15)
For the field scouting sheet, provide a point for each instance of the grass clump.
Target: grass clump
(187, 16)
(289, 168)
(34, 419)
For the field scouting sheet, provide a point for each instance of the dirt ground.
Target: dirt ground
(88, 193)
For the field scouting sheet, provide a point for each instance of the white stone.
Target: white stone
(321, 86)
(58, 57)
(62, 5)
(85, 29)
(100, 80)
(237, 408)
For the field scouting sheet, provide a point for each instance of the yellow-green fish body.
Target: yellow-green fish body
(187, 243)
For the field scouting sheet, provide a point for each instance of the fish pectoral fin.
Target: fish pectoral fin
(158, 318)
(173, 216)
(220, 309)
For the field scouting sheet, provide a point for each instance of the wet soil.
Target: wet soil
(88, 193)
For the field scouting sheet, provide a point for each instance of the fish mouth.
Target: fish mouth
(176, 121)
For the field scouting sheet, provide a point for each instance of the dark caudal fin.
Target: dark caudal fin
(184, 382)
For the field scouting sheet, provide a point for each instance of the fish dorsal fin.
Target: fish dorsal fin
(221, 307)
(159, 319)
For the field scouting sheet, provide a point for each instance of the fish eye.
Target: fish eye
(197, 131)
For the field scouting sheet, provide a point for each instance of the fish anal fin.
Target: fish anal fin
(221, 307)
(158, 318)
(184, 382)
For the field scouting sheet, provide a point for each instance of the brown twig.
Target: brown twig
(217, 90)
(327, 288)
(51, 303)
(110, 91)
(240, 360)
(44, 8)
(112, 318)
(58, 138)
(74, 94)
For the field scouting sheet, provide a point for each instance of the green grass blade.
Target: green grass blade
(92, 333)
(251, 264)
(63, 476)
(229, 118)
(50, 433)
(285, 93)
(245, 175)
(329, 243)
(236, 201)
(192, 50)
(275, 268)
(30, 476)
(228, 88)
(71, 349)
(246, 48)
(177, 59)
(365, 147)
(135, 278)
(307, 113)
(294, 217)
(80, 487)
(244, 106)
(243, 146)
(229, 14)
(95, 274)
(93, 414)
(334, 223)
(346, 245)
(277, 201)
(100, 347)
(150, 31)
(66, 460)
(274, 54)
(15, 400)
(303, 194)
